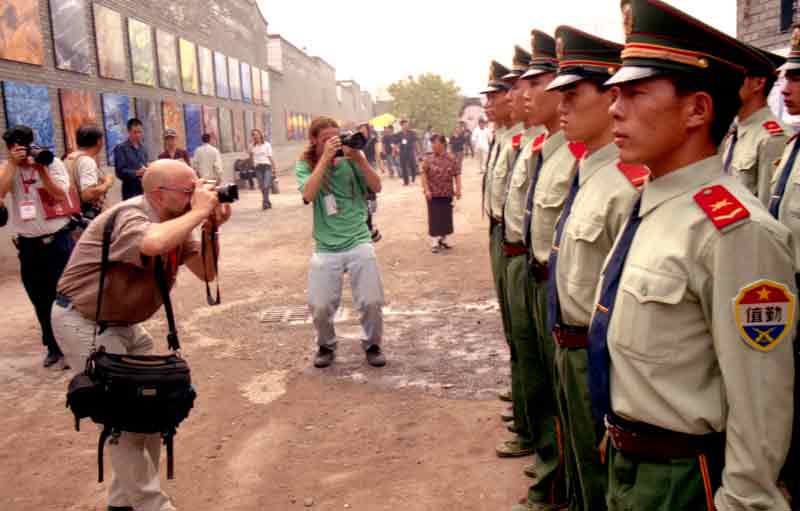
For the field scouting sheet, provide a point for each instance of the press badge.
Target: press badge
(27, 210)
(405, 141)
(330, 205)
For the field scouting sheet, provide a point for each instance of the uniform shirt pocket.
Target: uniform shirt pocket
(746, 171)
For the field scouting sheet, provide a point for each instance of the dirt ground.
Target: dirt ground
(270, 432)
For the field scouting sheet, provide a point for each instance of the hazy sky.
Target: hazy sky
(377, 43)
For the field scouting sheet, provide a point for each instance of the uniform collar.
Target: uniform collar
(679, 182)
(609, 153)
(553, 143)
(758, 118)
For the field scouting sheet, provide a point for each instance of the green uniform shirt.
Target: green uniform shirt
(519, 182)
(502, 171)
(500, 135)
(348, 227)
(760, 142)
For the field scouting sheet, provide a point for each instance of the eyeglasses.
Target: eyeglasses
(187, 191)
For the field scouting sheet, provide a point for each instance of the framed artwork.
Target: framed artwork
(140, 40)
(172, 114)
(29, 104)
(289, 128)
(265, 87)
(225, 130)
(189, 66)
(147, 111)
(256, 85)
(268, 126)
(70, 35)
(193, 117)
(167, 60)
(206, 71)
(211, 124)
(116, 113)
(221, 74)
(247, 84)
(20, 33)
(249, 123)
(234, 78)
(77, 108)
(110, 45)
(239, 140)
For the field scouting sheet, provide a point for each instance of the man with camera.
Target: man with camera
(160, 223)
(44, 242)
(335, 176)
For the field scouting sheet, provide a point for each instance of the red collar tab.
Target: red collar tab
(578, 149)
(538, 142)
(516, 141)
(636, 174)
(722, 208)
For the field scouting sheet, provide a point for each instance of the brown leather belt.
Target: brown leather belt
(540, 272)
(514, 249)
(649, 441)
(494, 221)
(574, 337)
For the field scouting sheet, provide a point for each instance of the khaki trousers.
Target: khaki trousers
(135, 458)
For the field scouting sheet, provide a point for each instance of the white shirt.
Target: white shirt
(20, 194)
(89, 174)
(481, 137)
(262, 154)
(207, 161)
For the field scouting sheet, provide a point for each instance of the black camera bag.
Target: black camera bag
(133, 393)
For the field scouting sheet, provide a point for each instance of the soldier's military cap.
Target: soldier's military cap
(543, 54)
(496, 83)
(793, 62)
(661, 39)
(768, 64)
(519, 64)
(581, 56)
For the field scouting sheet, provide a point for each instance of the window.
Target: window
(788, 9)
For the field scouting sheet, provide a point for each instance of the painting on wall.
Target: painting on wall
(289, 129)
(29, 104)
(140, 39)
(110, 45)
(172, 114)
(265, 87)
(225, 130)
(247, 83)
(20, 34)
(249, 123)
(256, 86)
(234, 78)
(167, 60)
(193, 117)
(189, 66)
(116, 112)
(77, 108)
(221, 74)
(147, 111)
(70, 35)
(206, 71)
(211, 124)
(238, 132)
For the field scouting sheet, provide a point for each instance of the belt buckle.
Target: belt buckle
(48, 239)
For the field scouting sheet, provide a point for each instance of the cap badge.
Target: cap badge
(627, 19)
(796, 37)
(560, 48)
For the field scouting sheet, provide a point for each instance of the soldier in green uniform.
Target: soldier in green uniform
(757, 138)
(690, 345)
(599, 202)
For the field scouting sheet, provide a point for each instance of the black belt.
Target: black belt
(39, 241)
(653, 442)
(540, 272)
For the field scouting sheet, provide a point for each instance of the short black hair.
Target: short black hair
(769, 83)
(87, 135)
(724, 95)
(18, 135)
(206, 138)
(133, 123)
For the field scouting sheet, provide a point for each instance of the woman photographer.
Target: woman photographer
(441, 181)
(261, 154)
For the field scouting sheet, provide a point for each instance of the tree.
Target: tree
(428, 100)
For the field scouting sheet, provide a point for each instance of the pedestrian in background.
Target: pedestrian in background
(481, 138)
(426, 140)
(441, 181)
(130, 160)
(207, 161)
(469, 150)
(408, 147)
(457, 143)
(388, 158)
(92, 183)
(171, 149)
(261, 154)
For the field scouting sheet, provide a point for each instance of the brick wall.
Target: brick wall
(759, 23)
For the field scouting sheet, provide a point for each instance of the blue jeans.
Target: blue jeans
(264, 175)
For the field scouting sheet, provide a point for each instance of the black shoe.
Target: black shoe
(435, 250)
(324, 357)
(376, 236)
(375, 357)
(52, 358)
(445, 246)
(120, 508)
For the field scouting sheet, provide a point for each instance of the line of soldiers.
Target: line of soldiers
(644, 243)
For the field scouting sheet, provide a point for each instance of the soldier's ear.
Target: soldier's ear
(698, 109)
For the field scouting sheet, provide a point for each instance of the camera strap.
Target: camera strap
(213, 239)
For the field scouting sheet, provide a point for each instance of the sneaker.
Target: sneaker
(324, 357)
(52, 358)
(513, 449)
(445, 245)
(504, 395)
(375, 357)
(435, 250)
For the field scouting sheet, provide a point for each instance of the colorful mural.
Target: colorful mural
(140, 39)
(172, 114)
(77, 108)
(20, 33)
(167, 60)
(29, 104)
(189, 77)
(221, 73)
(116, 112)
(206, 63)
(110, 45)
(70, 34)
(193, 117)
(297, 125)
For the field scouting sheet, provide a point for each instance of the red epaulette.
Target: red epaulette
(722, 208)
(516, 141)
(538, 142)
(578, 149)
(773, 128)
(636, 174)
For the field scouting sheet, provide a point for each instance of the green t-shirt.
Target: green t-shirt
(348, 227)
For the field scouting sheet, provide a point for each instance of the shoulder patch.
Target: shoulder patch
(722, 208)
(773, 128)
(636, 174)
(538, 142)
(764, 314)
(516, 141)
(578, 149)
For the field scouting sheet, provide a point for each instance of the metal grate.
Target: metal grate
(285, 315)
